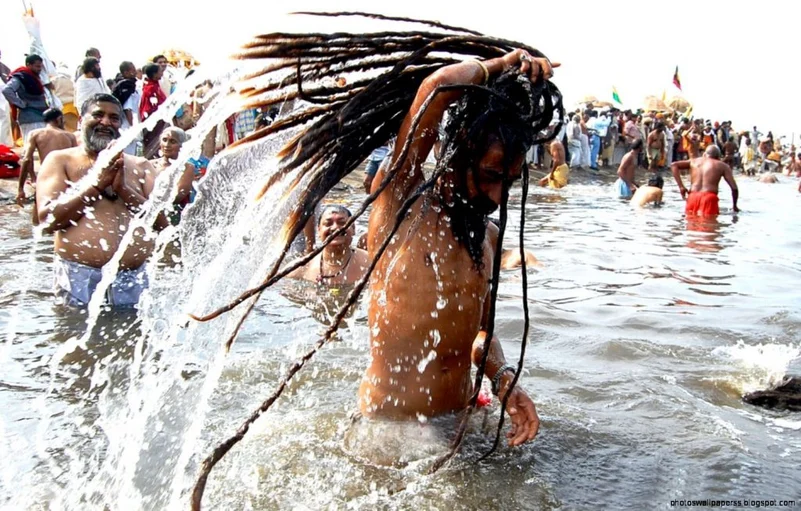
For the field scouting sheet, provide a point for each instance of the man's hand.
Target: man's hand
(21, 198)
(683, 192)
(119, 180)
(108, 176)
(533, 67)
(523, 415)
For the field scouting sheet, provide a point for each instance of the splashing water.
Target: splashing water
(764, 365)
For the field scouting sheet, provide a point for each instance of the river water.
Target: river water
(645, 333)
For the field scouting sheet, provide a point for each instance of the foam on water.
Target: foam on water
(761, 365)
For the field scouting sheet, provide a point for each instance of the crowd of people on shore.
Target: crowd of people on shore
(599, 137)
(44, 108)
(657, 141)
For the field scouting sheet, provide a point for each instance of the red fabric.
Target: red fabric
(484, 399)
(33, 85)
(702, 204)
(150, 90)
(30, 80)
(676, 80)
(9, 162)
(229, 124)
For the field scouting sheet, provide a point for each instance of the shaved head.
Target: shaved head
(712, 152)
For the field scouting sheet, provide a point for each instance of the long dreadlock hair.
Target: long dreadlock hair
(343, 125)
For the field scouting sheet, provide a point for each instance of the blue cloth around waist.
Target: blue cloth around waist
(75, 283)
(622, 188)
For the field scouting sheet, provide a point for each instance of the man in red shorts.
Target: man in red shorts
(705, 174)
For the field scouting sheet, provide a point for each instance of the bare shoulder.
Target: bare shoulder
(361, 257)
(63, 156)
(140, 165)
(33, 138)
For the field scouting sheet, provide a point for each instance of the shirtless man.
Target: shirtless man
(430, 290)
(649, 194)
(338, 263)
(705, 175)
(765, 148)
(656, 146)
(795, 164)
(625, 184)
(45, 140)
(90, 219)
(691, 139)
(559, 175)
(729, 151)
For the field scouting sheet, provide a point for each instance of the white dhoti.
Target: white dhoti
(574, 147)
(585, 150)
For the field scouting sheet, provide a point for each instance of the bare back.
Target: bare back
(706, 173)
(50, 139)
(646, 195)
(96, 235)
(628, 167)
(557, 153)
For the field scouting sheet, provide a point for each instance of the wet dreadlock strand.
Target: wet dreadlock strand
(526, 317)
(223, 448)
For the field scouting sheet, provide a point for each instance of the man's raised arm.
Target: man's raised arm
(463, 73)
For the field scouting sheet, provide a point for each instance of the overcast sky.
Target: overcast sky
(734, 63)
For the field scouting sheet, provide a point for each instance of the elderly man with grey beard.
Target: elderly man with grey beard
(89, 219)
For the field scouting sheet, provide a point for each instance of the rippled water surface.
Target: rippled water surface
(645, 333)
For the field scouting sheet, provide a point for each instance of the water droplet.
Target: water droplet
(435, 337)
(421, 366)
(441, 303)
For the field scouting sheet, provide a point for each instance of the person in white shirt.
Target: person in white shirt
(90, 83)
(670, 140)
(574, 141)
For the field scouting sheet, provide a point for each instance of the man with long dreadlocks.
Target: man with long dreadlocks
(430, 291)
(433, 270)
